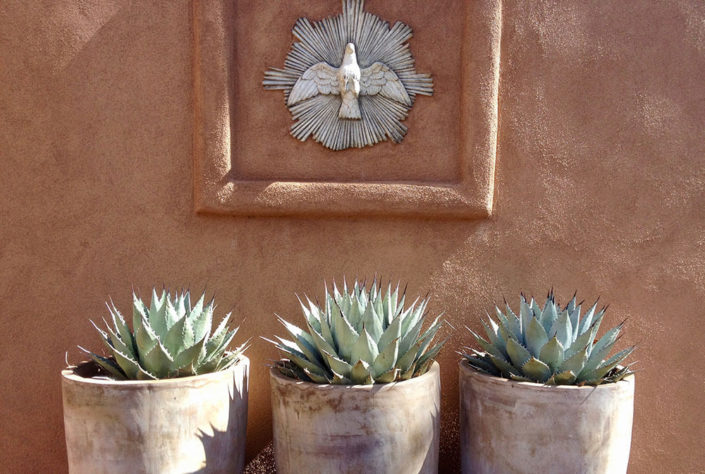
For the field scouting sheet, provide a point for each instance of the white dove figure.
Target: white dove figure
(349, 81)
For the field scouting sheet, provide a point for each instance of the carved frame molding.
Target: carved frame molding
(469, 196)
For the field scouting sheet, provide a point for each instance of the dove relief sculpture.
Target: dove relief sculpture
(350, 79)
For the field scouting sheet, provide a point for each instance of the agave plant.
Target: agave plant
(360, 337)
(170, 338)
(549, 345)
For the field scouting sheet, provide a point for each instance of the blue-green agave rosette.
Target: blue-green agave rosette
(549, 345)
(360, 336)
(169, 338)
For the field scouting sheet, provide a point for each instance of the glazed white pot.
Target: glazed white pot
(181, 425)
(381, 428)
(521, 427)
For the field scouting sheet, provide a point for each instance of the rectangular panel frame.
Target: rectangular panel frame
(216, 190)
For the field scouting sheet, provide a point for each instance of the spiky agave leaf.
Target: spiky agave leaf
(359, 336)
(169, 338)
(550, 345)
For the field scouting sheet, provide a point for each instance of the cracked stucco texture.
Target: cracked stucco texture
(600, 181)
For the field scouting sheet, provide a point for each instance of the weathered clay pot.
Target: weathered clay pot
(381, 428)
(520, 427)
(182, 425)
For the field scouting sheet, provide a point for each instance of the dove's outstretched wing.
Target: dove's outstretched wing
(320, 78)
(380, 79)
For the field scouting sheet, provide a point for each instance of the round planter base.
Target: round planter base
(188, 424)
(382, 428)
(521, 427)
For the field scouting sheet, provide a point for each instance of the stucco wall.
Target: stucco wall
(599, 187)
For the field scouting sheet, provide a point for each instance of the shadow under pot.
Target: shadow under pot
(184, 425)
(379, 428)
(522, 427)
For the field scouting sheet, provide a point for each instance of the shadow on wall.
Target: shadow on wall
(221, 453)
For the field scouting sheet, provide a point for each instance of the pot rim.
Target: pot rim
(69, 375)
(281, 379)
(466, 368)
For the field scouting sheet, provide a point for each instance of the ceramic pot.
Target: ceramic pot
(380, 428)
(181, 425)
(521, 427)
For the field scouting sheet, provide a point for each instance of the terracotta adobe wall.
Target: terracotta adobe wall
(599, 186)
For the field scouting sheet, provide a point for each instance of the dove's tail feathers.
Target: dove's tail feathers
(349, 109)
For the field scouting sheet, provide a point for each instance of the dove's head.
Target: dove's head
(349, 57)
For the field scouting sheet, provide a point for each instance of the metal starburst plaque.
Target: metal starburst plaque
(349, 80)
